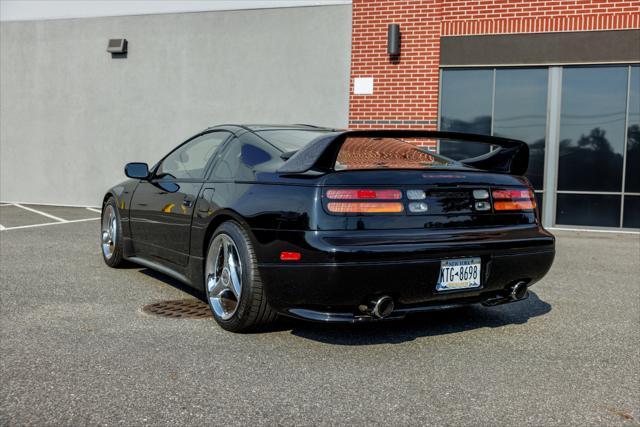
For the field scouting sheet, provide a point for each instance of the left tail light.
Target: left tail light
(521, 199)
(351, 201)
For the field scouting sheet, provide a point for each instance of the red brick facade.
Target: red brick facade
(406, 90)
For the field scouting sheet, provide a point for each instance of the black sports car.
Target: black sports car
(331, 225)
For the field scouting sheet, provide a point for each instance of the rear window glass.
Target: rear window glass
(291, 139)
(388, 153)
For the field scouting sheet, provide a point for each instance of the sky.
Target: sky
(21, 10)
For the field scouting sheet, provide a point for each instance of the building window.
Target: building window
(507, 102)
(520, 112)
(631, 199)
(593, 137)
(597, 139)
(460, 112)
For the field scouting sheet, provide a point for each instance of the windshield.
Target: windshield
(287, 140)
(388, 153)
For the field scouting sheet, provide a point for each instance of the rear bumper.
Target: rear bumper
(351, 267)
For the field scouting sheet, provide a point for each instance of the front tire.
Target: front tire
(232, 282)
(111, 234)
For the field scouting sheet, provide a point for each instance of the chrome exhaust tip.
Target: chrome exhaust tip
(382, 307)
(518, 291)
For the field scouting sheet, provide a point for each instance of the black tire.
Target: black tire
(116, 258)
(253, 311)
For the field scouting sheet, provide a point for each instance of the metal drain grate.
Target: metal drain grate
(179, 309)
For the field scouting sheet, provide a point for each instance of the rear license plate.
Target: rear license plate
(463, 273)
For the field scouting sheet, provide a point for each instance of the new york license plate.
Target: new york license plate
(463, 273)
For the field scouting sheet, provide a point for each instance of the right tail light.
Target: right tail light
(521, 199)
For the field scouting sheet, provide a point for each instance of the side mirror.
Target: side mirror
(137, 170)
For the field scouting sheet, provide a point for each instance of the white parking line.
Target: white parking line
(39, 212)
(2, 227)
(6, 204)
(94, 210)
(47, 223)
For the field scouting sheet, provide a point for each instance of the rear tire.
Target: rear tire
(232, 281)
(111, 234)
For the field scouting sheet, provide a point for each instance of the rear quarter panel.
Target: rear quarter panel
(263, 209)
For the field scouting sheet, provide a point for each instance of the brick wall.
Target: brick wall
(469, 17)
(406, 90)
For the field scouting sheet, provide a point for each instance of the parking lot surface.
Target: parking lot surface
(77, 348)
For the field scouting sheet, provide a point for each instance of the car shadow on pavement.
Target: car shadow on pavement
(440, 322)
(423, 325)
(172, 282)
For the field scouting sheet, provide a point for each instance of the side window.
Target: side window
(239, 159)
(190, 161)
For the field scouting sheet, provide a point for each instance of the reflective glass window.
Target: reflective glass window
(465, 106)
(631, 217)
(632, 179)
(592, 129)
(539, 201)
(291, 139)
(588, 209)
(242, 157)
(190, 160)
(520, 112)
(386, 153)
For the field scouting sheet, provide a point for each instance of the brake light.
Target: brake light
(365, 207)
(359, 194)
(513, 200)
(511, 194)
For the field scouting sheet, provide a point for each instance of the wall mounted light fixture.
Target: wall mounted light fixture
(393, 40)
(118, 48)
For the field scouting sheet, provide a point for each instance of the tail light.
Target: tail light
(521, 199)
(365, 207)
(352, 203)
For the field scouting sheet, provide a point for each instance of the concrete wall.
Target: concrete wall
(71, 116)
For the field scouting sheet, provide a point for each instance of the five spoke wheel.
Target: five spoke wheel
(109, 231)
(223, 276)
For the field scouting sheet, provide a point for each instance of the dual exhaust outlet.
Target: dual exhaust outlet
(383, 306)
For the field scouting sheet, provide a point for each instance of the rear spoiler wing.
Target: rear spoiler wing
(511, 155)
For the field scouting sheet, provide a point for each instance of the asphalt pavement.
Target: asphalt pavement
(76, 347)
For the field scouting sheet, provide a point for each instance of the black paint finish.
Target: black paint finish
(346, 259)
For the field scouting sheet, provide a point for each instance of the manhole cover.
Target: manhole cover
(179, 309)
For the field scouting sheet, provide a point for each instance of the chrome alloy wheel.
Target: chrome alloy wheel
(224, 276)
(109, 231)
